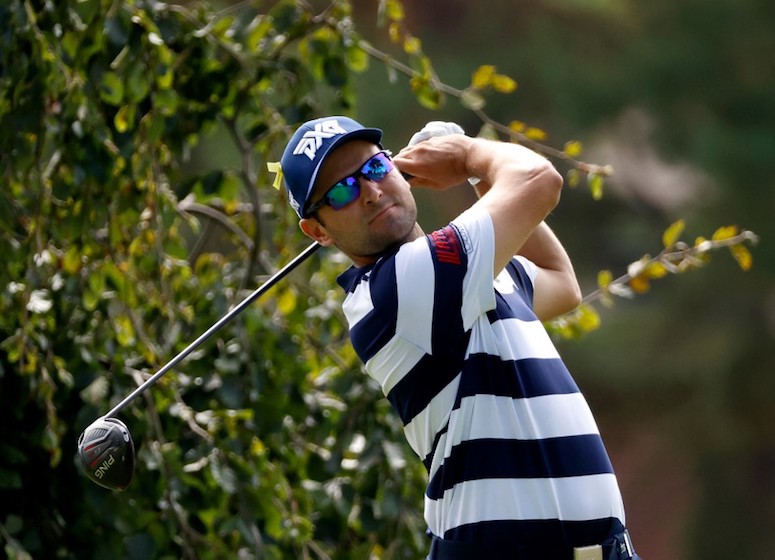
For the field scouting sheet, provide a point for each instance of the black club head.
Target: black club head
(107, 453)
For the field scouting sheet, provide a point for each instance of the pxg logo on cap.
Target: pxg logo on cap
(308, 148)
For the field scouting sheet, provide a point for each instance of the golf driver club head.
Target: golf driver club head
(107, 453)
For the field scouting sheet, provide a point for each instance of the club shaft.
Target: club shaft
(279, 275)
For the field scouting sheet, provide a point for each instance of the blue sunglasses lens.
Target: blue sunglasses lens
(377, 167)
(343, 193)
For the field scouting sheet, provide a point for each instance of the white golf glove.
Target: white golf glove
(439, 128)
(435, 128)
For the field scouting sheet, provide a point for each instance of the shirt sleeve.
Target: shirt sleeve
(478, 238)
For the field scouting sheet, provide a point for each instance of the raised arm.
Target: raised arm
(518, 188)
(521, 186)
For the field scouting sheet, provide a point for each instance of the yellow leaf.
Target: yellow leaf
(394, 10)
(535, 133)
(604, 278)
(286, 302)
(655, 270)
(483, 76)
(394, 32)
(125, 332)
(572, 148)
(588, 318)
(517, 126)
(257, 448)
(71, 263)
(671, 235)
(503, 83)
(275, 167)
(639, 284)
(412, 45)
(742, 256)
(724, 232)
(123, 117)
(595, 183)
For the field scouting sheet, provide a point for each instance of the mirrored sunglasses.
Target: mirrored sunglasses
(348, 190)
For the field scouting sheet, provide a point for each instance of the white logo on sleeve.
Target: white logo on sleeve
(312, 139)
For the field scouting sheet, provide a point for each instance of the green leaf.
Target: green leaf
(427, 95)
(111, 89)
(137, 85)
(573, 177)
(357, 59)
(125, 332)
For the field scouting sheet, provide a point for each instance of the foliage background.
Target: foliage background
(135, 210)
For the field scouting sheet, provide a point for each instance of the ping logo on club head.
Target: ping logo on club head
(104, 467)
(312, 139)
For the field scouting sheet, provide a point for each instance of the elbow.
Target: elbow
(574, 296)
(551, 183)
(572, 290)
(569, 296)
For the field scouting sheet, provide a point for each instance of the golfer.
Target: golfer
(450, 325)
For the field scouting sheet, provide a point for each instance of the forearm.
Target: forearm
(556, 289)
(545, 250)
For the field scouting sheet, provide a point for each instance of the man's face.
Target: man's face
(384, 215)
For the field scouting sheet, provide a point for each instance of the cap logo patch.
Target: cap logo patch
(312, 139)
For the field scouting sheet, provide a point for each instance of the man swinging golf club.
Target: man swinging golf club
(450, 324)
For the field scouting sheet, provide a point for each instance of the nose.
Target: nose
(370, 191)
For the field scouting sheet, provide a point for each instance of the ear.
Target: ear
(315, 230)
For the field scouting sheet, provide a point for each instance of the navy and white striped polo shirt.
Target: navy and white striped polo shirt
(512, 450)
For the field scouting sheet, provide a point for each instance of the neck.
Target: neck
(366, 260)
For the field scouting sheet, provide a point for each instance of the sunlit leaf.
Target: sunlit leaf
(639, 284)
(412, 45)
(357, 59)
(725, 232)
(655, 270)
(588, 318)
(517, 126)
(595, 182)
(124, 118)
(535, 133)
(673, 233)
(286, 303)
(483, 76)
(572, 148)
(604, 278)
(743, 256)
(504, 84)
(394, 10)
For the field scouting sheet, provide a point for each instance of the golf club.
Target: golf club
(105, 447)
